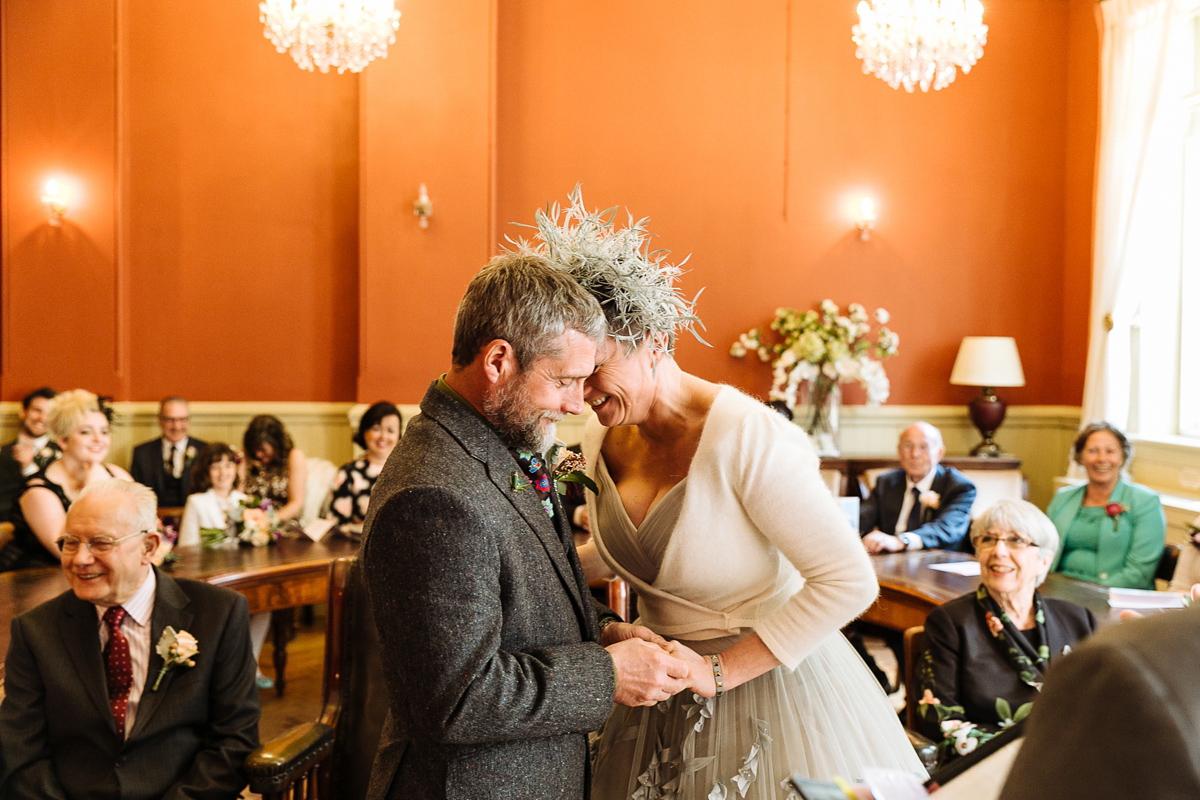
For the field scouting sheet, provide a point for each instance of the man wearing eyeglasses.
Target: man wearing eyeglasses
(921, 504)
(96, 703)
(165, 464)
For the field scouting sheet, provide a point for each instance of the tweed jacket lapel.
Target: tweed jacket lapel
(170, 608)
(481, 442)
(81, 639)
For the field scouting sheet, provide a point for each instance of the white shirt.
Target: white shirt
(136, 627)
(176, 455)
(36, 445)
(921, 486)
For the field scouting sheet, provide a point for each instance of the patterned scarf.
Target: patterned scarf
(1029, 658)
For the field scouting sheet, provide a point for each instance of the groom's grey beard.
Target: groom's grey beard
(517, 420)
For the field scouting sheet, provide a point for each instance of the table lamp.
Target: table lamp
(987, 361)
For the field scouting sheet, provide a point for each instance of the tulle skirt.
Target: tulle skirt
(827, 717)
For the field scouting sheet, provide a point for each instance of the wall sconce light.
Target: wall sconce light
(55, 198)
(864, 218)
(423, 208)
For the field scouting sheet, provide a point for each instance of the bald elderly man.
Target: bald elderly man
(922, 504)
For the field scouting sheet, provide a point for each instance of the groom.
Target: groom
(489, 639)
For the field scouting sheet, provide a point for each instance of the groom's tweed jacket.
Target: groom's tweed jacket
(486, 625)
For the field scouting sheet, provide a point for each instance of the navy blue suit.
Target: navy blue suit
(943, 527)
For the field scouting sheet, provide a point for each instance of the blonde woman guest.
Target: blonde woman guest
(274, 469)
(378, 433)
(712, 507)
(79, 423)
(1110, 531)
(214, 475)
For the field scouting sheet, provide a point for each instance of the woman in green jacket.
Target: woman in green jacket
(1110, 531)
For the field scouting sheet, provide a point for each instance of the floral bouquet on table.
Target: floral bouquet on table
(251, 523)
(817, 351)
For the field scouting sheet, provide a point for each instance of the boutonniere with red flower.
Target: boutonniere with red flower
(1115, 510)
(994, 624)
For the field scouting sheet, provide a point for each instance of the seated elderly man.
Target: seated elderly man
(921, 504)
(132, 684)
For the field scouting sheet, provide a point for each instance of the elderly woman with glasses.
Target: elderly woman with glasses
(987, 652)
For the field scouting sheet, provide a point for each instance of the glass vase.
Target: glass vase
(818, 410)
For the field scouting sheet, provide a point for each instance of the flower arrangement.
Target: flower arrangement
(252, 523)
(822, 349)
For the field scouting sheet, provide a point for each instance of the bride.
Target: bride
(711, 506)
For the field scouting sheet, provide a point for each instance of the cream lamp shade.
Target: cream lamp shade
(987, 361)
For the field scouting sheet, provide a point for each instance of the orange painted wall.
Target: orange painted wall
(246, 231)
(743, 136)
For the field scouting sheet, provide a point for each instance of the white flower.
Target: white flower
(930, 499)
(175, 648)
(857, 312)
(964, 743)
(882, 316)
(737, 350)
(829, 307)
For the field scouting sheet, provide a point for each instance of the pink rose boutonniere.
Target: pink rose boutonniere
(930, 500)
(176, 649)
(1115, 510)
(994, 624)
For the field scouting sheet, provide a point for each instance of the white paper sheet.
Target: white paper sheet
(1143, 598)
(967, 568)
(317, 529)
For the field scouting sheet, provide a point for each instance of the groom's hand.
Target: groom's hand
(620, 631)
(646, 673)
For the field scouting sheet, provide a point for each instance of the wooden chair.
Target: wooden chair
(914, 648)
(1167, 563)
(331, 757)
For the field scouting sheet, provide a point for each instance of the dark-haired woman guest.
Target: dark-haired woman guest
(214, 474)
(1110, 530)
(274, 469)
(378, 433)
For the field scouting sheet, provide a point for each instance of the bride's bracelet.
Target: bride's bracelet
(716, 665)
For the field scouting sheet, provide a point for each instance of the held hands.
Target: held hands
(700, 672)
(646, 672)
(620, 631)
(880, 542)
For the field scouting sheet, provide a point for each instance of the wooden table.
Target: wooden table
(277, 579)
(909, 589)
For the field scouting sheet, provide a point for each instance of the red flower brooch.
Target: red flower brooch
(1115, 510)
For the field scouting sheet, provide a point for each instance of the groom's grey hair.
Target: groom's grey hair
(529, 302)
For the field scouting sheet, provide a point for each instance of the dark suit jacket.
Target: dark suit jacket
(1118, 719)
(945, 527)
(11, 479)
(969, 668)
(190, 736)
(147, 468)
(486, 627)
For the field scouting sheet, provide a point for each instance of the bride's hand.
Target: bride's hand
(700, 672)
(620, 631)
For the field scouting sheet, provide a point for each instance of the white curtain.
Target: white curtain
(1134, 54)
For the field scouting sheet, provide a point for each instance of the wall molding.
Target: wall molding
(1040, 435)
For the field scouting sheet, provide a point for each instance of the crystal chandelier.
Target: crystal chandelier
(919, 42)
(345, 34)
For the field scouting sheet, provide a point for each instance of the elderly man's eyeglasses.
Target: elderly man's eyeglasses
(990, 540)
(98, 546)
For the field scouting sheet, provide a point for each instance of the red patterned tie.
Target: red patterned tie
(117, 669)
